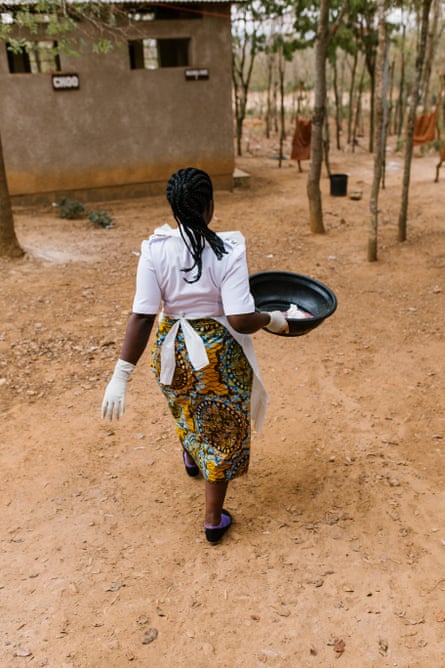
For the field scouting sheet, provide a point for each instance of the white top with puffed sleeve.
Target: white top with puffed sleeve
(223, 288)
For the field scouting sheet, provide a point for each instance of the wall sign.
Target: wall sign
(66, 81)
(197, 73)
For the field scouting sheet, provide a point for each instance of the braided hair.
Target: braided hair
(190, 194)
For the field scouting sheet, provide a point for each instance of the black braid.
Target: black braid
(190, 193)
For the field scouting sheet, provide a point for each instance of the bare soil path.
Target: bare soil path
(337, 553)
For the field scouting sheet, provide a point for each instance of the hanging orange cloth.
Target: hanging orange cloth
(424, 129)
(301, 143)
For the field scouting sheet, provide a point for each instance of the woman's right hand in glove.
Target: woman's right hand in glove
(278, 323)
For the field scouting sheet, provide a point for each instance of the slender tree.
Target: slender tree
(358, 109)
(269, 97)
(391, 95)
(379, 129)
(337, 101)
(340, 48)
(9, 245)
(325, 32)
(318, 115)
(247, 41)
(369, 39)
(434, 34)
(415, 98)
(283, 45)
(281, 62)
(400, 103)
(352, 83)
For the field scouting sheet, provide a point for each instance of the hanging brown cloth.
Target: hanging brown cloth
(424, 129)
(301, 143)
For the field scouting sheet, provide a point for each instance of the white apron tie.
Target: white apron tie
(194, 345)
(198, 358)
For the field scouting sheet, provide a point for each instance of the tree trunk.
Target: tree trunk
(313, 183)
(239, 121)
(351, 95)
(281, 70)
(275, 106)
(431, 48)
(384, 133)
(372, 110)
(415, 97)
(338, 109)
(358, 109)
(269, 94)
(9, 246)
(379, 134)
(240, 87)
(390, 97)
(244, 52)
(326, 144)
(400, 106)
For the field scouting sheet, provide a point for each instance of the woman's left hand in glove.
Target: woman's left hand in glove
(114, 398)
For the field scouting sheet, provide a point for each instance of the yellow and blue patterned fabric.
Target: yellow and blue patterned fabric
(211, 406)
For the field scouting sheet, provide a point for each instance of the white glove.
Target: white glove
(114, 397)
(278, 323)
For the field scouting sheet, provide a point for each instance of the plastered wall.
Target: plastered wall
(124, 131)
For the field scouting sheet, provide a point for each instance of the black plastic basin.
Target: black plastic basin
(278, 290)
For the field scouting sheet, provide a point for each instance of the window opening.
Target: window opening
(152, 54)
(35, 57)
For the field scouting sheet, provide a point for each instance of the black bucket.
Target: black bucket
(339, 185)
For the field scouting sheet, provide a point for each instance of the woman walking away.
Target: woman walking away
(203, 357)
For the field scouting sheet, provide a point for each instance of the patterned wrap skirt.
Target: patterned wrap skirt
(211, 406)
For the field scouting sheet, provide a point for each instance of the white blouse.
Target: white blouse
(222, 290)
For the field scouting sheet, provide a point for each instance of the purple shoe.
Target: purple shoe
(214, 534)
(191, 469)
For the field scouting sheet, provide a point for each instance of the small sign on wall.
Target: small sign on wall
(197, 73)
(66, 81)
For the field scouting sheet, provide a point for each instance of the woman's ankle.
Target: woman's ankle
(212, 520)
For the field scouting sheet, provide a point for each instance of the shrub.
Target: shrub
(70, 209)
(101, 218)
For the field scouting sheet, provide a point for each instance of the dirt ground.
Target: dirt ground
(337, 552)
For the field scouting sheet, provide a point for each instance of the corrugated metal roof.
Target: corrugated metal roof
(157, 2)
(17, 3)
